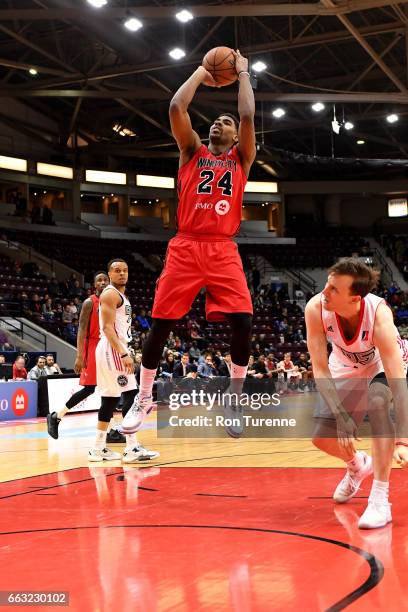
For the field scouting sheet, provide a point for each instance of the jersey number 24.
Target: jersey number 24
(225, 182)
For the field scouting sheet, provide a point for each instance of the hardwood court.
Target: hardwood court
(213, 534)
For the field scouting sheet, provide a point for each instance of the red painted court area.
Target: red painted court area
(201, 539)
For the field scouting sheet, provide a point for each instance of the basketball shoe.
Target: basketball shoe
(377, 514)
(234, 413)
(139, 453)
(103, 455)
(133, 420)
(52, 425)
(350, 484)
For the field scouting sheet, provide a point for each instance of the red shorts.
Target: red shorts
(192, 264)
(88, 372)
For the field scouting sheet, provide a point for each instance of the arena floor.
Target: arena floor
(211, 525)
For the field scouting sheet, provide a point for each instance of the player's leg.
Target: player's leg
(176, 290)
(134, 452)
(353, 396)
(378, 511)
(54, 418)
(228, 298)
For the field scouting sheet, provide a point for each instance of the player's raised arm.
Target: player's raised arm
(385, 339)
(82, 328)
(246, 111)
(187, 139)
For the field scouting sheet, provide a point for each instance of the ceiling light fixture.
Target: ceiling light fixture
(123, 131)
(348, 125)
(278, 113)
(97, 3)
(360, 142)
(33, 71)
(259, 66)
(177, 53)
(184, 16)
(133, 24)
(393, 118)
(318, 106)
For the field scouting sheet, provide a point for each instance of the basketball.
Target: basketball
(220, 63)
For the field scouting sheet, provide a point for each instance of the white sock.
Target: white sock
(62, 412)
(356, 462)
(238, 375)
(131, 441)
(100, 440)
(379, 491)
(114, 424)
(146, 382)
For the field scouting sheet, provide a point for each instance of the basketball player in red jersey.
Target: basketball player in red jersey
(211, 182)
(87, 340)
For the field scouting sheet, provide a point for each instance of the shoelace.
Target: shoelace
(350, 482)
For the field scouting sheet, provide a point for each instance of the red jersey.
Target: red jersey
(210, 189)
(93, 323)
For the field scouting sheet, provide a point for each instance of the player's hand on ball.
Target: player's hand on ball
(401, 455)
(78, 365)
(207, 78)
(241, 63)
(128, 364)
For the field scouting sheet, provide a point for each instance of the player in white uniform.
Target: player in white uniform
(115, 367)
(365, 372)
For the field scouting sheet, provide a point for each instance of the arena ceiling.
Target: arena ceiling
(94, 74)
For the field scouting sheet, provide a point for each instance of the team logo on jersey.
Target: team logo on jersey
(128, 309)
(364, 336)
(122, 380)
(363, 358)
(330, 329)
(222, 207)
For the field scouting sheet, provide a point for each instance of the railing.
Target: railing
(383, 262)
(303, 279)
(88, 225)
(24, 330)
(29, 251)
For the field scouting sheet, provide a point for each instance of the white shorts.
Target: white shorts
(111, 378)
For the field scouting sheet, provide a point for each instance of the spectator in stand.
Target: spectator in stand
(51, 366)
(58, 313)
(298, 336)
(38, 371)
(48, 310)
(71, 330)
(207, 369)
(260, 369)
(77, 290)
(4, 369)
(292, 372)
(167, 365)
(256, 278)
(67, 314)
(194, 351)
(224, 369)
(78, 306)
(181, 368)
(282, 326)
(47, 216)
(304, 366)
(71, 283)
(35, 306)
(19, 369)
(143, 320)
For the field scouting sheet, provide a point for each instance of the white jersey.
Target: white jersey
(358, 357)
(123, 320)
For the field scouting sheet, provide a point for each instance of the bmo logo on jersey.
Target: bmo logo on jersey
(20, 402)
(222, 207)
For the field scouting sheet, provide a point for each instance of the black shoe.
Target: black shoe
(115, 437)
(52, 425)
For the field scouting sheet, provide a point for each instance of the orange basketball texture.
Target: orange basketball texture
(220, 62)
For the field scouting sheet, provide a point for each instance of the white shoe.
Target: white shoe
(103, 455)
(351, 482)
(133, 420)
(377, 514)
(139, 453)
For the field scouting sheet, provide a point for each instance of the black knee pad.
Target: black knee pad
(108, 405)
